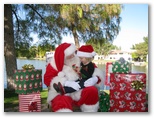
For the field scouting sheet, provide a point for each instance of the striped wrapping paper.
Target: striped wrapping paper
(30, 103)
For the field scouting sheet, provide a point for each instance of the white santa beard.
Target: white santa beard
(74, 60)
(68, 70)
(70, 74)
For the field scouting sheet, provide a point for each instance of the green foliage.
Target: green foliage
(30, 19)
(141, 49)
(50, 21)
(89, 21)
(35, 51)
(101, 46)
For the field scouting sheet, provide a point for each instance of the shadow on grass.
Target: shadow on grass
(9, 93)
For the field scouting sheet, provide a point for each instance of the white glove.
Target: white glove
(72, 84)
(91, 81)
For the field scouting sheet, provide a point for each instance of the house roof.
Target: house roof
(121, 51)
(117, 51)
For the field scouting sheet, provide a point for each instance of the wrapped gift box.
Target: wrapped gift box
(128, 92)
(104, 102)
(28, 81)
(30, 103)
(121, 66)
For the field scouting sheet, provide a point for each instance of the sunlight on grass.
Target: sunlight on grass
(44, 93)
(11, 100)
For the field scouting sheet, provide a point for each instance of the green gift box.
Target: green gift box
(28, 81)
(104, 102)
(121, 66)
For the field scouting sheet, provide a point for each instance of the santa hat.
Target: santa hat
(63, 50)
(86, 51)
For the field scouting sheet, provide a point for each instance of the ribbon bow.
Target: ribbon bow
(122, 60)
(28, 67)
(137, 85)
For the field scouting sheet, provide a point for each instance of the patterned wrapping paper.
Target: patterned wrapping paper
(121, 67)
(28, 81)
(30, 103)
(104, 102)
(128, 92)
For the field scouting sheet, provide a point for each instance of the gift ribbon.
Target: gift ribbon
(122, 60)
(137, 85)
(107, 73)
(28, 67)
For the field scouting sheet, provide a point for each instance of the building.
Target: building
(48, 56)
(116, 54)
(99, 57)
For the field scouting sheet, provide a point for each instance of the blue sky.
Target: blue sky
(135, 16)
(134, 26)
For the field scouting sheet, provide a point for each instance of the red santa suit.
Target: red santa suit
(58, 70)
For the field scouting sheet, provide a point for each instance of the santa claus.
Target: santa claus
(60, 70)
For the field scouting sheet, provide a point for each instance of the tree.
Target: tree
(9, 48)
(18, 29)
(32, 52)
(101, 46)
(49, 22)
(45, 47)
(141, 49)
(87, 21)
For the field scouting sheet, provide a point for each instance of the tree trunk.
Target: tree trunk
(76, 39)
(9, 48)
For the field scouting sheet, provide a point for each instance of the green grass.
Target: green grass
(44, 94)
(10, 99)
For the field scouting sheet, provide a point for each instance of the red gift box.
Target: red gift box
(30, 103)
(128, 92)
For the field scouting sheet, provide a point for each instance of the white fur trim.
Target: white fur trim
(85, 54)
(90, 108)
(76, 95)
(70, 50)
(61, 74)
(51, 95)
(64, 110)
(52, 92)
(100, 74)
(52, 62)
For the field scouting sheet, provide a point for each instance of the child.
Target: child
(86, 54)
